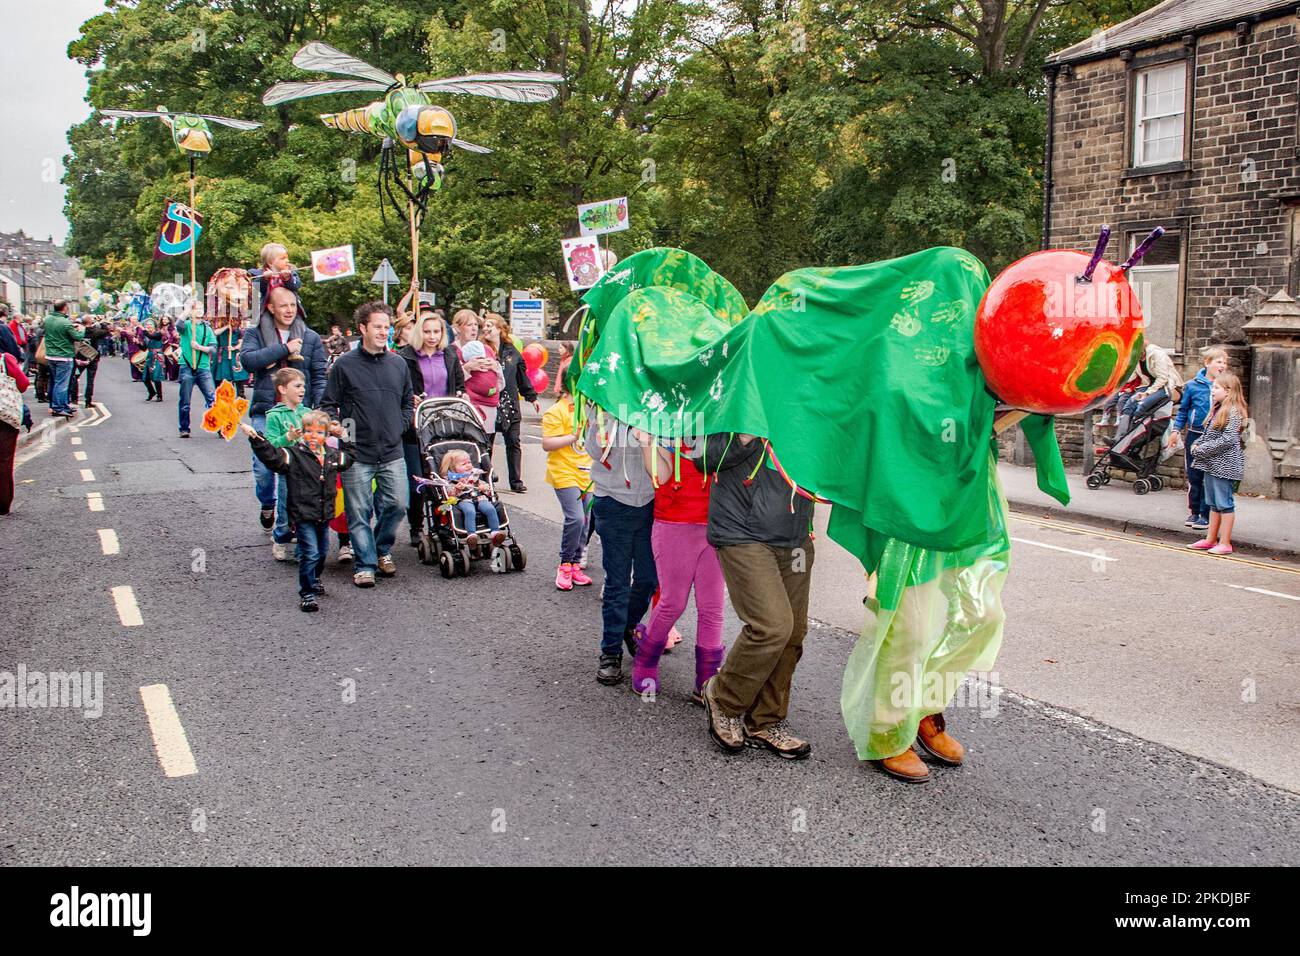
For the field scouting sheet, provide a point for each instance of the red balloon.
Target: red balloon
(539, 379)
(1055, 345)
(534, 356)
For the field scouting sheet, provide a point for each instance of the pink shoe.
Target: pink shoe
(564, 578)
(578, 576)
(1202, 545)
(1221, 549)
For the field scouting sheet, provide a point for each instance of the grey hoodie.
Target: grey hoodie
(621, 473)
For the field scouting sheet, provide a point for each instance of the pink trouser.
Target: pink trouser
(683, 558)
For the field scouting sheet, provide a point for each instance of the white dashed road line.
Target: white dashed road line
(108, 541)
(1095, 555)
(80, 455)
(128, 611)
(94, 501)
(1242, 587)
(74, 440)
(169, 739)
(87, 475)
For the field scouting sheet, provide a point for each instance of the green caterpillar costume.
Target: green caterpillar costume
(865, 381)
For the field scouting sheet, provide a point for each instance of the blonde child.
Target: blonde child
(1219, 454)
(568, 471)
(275, 273)
(472, 494)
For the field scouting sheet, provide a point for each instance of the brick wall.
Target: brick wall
(1244, 105)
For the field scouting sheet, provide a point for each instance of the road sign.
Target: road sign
(384, 276)
(527, 316)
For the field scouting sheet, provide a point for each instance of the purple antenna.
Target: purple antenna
(1102, 241)
(1143, 249)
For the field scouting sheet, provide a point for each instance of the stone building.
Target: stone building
(1184, 116)
(34, 273)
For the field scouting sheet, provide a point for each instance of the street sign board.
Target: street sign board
(527, 316)
(384, 275)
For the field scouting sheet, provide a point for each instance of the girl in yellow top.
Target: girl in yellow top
(568, 471)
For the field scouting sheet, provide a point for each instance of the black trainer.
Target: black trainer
(611, 669)
(318, 589)
(267, 517)
(308, 603)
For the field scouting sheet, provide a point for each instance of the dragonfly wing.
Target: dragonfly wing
(227, 121)
(292, 90)
(133, 114)
(322, 56)
(513, 92)
(469, 147)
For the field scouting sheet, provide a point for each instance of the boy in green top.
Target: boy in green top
(284, 428)
(197, 343)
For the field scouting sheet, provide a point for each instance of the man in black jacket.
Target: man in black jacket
(761, 530)
(369, 391)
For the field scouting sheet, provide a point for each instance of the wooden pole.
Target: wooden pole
(194, 241)
(1008, 419)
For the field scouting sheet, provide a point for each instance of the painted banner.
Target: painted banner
(583, 261)
(335, 263)
(608, 215)
(178, 230)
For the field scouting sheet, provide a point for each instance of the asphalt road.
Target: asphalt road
(430, 721)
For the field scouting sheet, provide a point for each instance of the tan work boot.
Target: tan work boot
(727, 732)
(778, 739)
(933, 737)
(907, 767)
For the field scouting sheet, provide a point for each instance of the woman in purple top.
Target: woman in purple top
(435, 372)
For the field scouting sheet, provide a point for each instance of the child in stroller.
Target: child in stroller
(464, 521)
(473, 496)
(1138, 450)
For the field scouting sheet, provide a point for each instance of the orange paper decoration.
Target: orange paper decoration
(226, 412)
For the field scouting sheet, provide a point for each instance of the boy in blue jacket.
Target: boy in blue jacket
(1193, 410)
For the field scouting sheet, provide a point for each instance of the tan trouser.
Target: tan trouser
(769, 590)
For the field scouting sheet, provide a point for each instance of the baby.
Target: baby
(472, 495)
(276, 272)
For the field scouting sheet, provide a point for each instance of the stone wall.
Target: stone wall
(1235, 230)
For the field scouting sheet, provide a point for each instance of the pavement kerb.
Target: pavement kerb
(1073, 515)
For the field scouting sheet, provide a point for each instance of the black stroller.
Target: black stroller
(453, 424)
(1137, 451)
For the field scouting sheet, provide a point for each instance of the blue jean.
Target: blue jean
(188, 379)
(1196, 505)
(576, 526)
(629, 564)
(485, 508)
(313, 545)
(384, 505)
(60, 376)
(1218, 495)
(263, 477)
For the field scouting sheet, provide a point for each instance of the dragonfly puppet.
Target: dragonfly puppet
(192, 135)
(406, 116)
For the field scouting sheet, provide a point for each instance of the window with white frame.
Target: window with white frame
(1159, 110)
(1156, 280)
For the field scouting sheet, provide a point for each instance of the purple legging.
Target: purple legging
(683, 557)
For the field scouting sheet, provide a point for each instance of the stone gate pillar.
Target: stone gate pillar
(1273, 457)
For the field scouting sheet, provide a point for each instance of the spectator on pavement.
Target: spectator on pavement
(281, 339)
(61, 338)
(14, 383)
(1163, 384)
(1189, 423)
(369, 392)
(1219, 454)
(495, 332)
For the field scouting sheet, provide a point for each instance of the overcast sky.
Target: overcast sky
(42, 93)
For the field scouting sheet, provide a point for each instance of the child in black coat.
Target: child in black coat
(312, 468)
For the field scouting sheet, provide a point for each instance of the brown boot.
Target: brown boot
(933, 737)
(907, 767)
